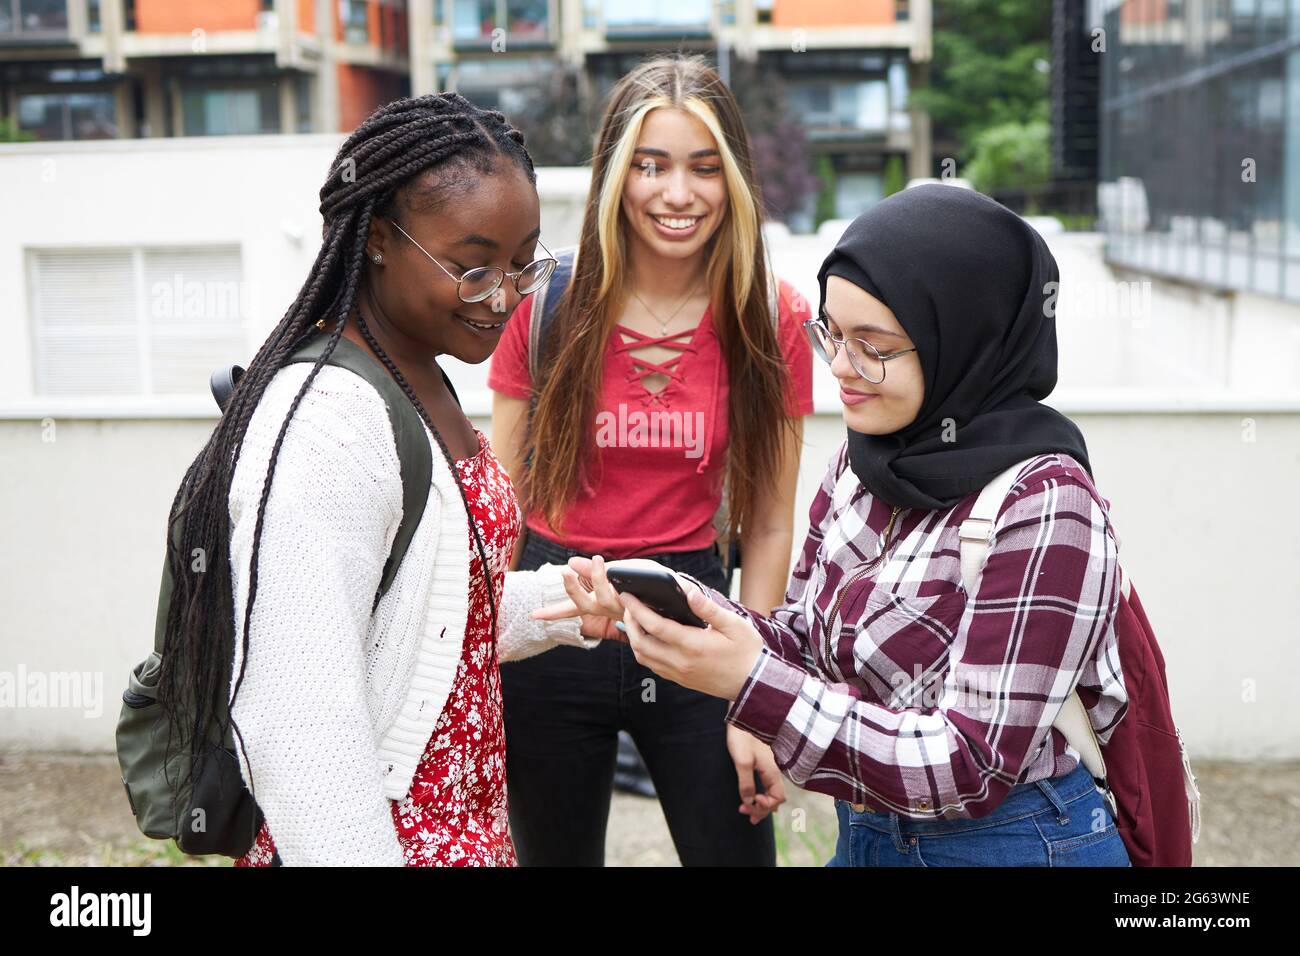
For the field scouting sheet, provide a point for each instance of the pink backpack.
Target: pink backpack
(1143, 767)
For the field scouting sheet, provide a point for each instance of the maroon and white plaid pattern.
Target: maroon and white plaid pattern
(915, 697)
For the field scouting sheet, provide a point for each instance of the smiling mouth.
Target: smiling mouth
(676, 222)
(481, 326)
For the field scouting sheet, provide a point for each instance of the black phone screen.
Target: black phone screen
(658, 590)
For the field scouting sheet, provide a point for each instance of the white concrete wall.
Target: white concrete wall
(257, 192)
(1208, 538)
(1197, 449)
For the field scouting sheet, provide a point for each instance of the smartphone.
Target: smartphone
(657, 589)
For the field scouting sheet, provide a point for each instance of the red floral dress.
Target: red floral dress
(455, 812)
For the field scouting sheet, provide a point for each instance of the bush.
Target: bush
(1011, 155)
(10, 133)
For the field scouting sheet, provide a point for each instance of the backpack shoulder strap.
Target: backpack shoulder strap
(977, 530)
(976, 533)
(541, 316)
(774, 299)
(408, 431)
(223, 382)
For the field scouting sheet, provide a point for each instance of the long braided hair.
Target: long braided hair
(378, 164)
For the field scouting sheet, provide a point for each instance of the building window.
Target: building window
(352, 15)
(659, 16)
(856, 192)
(902, 10)
(525, 20)
(90, 114)
(230, 111)
(35, 17)
(135, 321)
(842, 106)
(303, 94)
(900, 121)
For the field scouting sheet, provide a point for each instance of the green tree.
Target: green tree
(988, 69)
(1010, 155)
(777, 138)
(824, 169)
(559, 120)
(895, 175)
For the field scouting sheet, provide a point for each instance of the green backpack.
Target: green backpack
(218, 815)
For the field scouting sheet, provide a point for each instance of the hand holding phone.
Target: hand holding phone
(656, 587)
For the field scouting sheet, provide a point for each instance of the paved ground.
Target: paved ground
(71, 809)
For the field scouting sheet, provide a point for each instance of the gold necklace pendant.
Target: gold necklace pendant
(663, 323)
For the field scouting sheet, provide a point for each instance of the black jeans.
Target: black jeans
(563, 712)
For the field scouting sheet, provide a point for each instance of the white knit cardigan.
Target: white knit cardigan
(337, 704)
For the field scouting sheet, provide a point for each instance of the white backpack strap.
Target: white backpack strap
(1189, 788)
(1073, 722)
(976, 533)
(977, 530)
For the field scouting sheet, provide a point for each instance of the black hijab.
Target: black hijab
(969, 281)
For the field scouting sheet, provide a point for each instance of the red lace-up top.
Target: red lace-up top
(656, 480)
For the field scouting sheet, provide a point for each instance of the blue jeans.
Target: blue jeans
(1063, 821)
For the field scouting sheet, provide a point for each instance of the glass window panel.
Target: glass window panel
(527, 19)
(473, 19)
(231, 112)
(72, 115)
(43, 16)
(661, 13)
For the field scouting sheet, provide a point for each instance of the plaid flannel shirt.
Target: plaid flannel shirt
(887, 684)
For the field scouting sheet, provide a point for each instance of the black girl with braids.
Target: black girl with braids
(431, 225)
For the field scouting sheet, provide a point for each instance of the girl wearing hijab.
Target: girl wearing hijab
(925, 710)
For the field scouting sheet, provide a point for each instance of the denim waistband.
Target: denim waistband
(1025, 799)
(700, 563)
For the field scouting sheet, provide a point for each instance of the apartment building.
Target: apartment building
(847, 65)
(104, 69)
(95, 69)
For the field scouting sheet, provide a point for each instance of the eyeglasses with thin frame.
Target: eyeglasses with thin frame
(865, 358)
(482, 281)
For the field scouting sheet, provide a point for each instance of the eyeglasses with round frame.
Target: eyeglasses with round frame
(539, 270)
(827, 346)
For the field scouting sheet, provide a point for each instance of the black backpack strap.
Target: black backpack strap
(223, 382)
(408, 429)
